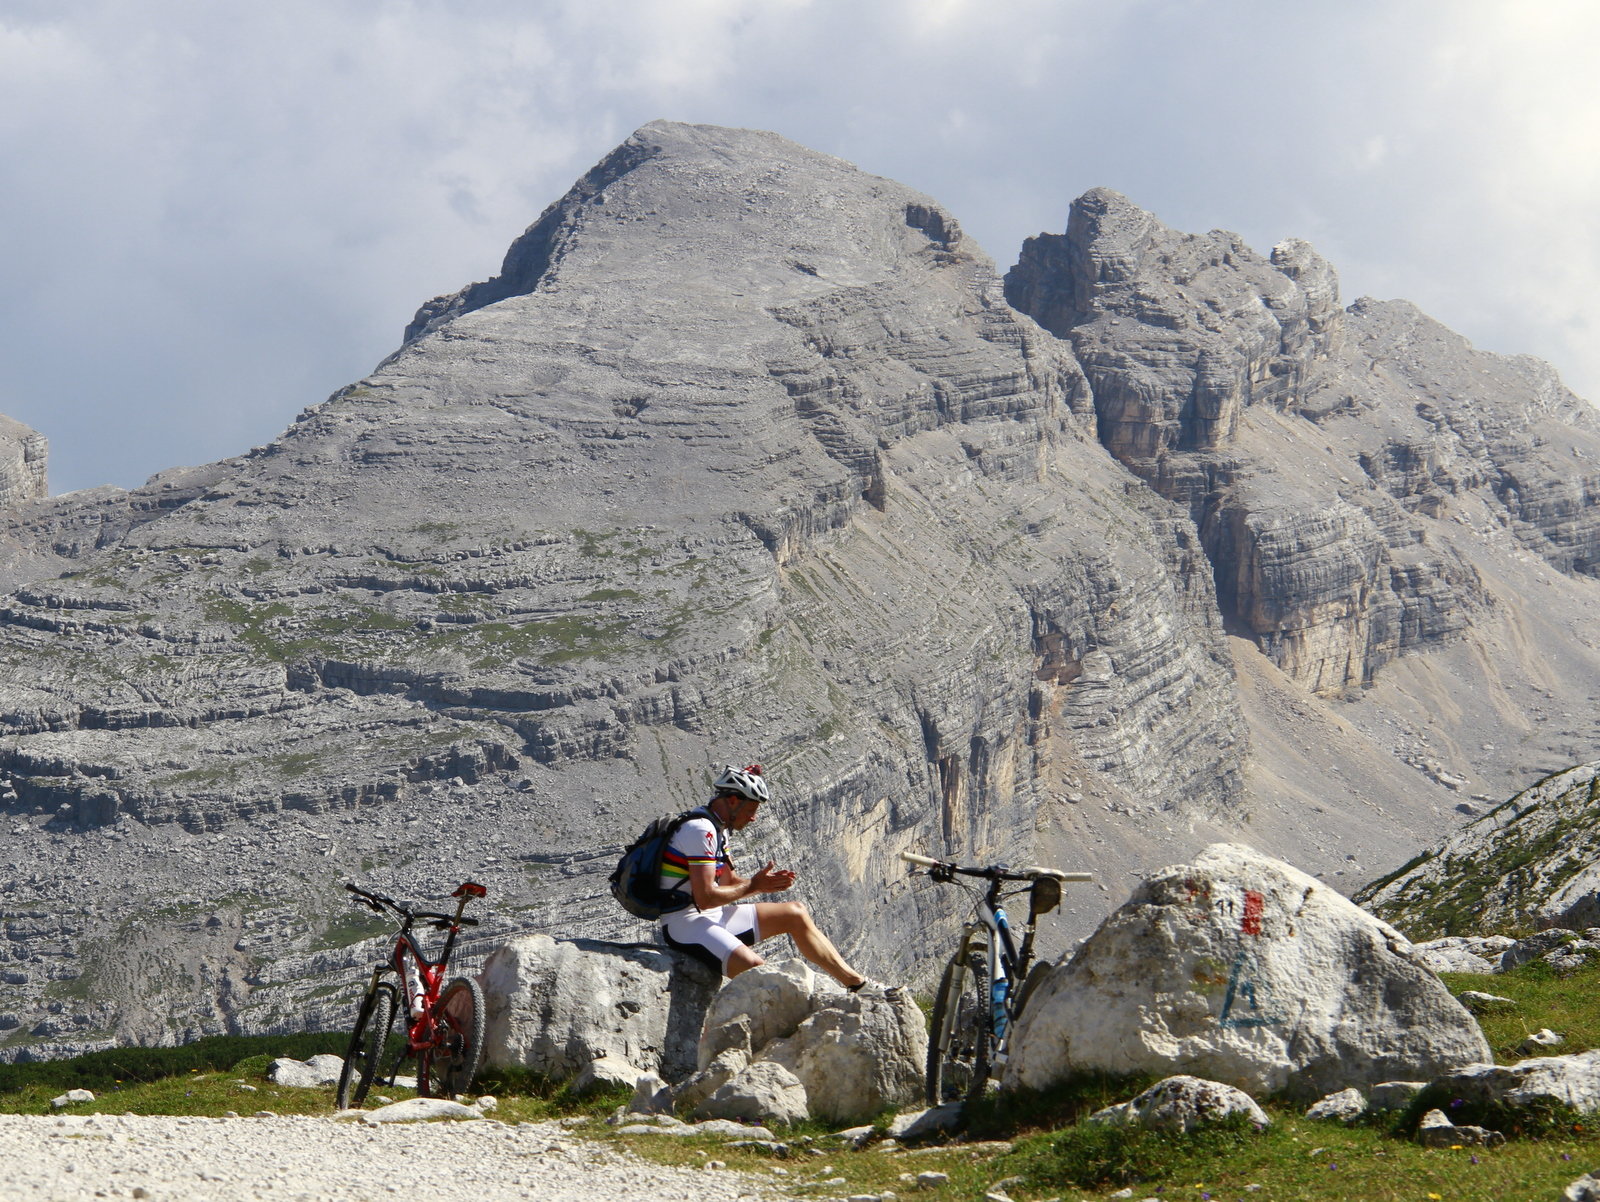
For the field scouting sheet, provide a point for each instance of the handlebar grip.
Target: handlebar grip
(911, 857)
(1080, 877)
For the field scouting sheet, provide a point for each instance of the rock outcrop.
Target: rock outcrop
(1315, 448)
(1240, 969)
(851, 1057)
(24, 463)
(1530, 861)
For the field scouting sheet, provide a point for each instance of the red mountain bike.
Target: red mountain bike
(444, 1027)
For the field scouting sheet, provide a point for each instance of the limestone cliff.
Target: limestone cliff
(24, 456)
(1321, 453)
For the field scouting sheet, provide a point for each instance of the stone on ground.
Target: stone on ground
(1345, 1105)
(414, 1110)
(606, 1072)
(762, 1092)
(320, 1070)
(1242, 969)
(1182, 1103)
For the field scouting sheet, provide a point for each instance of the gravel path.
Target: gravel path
(317, 1159)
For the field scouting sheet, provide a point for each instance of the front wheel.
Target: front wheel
(367, 1042)
(448, 1067)
(959, 1043)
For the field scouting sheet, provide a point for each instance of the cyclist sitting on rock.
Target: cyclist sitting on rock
(719, 927)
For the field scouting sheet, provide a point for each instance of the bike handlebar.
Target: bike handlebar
(995, 872)
(378, 903)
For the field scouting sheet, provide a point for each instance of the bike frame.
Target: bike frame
(422, 1022)
(1004, 962)
(1007, 964)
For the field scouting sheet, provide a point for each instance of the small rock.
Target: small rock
(1584, 1189)
(770, 1146)
(488, 1103)
(604, 1072)
(1478, 1001)
(1437, 1131)
(1394, 1095)
(1539, 1041)
(921, 1124)
(651, 1095)
(1346, 1105)
(417, 1109)
(265, 1114)
(71, 1096)
(716, 1164)
(853, 1137)
(931, 1180)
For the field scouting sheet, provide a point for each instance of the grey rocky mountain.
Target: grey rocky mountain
(745, 454)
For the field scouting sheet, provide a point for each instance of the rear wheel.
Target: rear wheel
(449, 1066)
(958, 1046)
(367, 1042)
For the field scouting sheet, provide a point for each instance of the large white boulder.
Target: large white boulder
(854, 1057)
(555, 1006)
(1241, 969)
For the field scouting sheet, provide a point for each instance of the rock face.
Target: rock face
(1244, 970)
(1309, 443)
(1528, 862)
(24, 460)
(557, 1007)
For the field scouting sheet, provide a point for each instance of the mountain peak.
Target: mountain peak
(699, 212)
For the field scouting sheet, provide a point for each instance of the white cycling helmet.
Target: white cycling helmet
(746, 782)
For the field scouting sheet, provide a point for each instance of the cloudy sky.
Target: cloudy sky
(214, 213)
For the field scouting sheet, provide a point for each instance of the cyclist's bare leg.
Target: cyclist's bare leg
(740, 959)
(794, 920)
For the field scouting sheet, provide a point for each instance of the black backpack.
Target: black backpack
(636, 882)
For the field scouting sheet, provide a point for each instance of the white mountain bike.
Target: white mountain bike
(979, 999)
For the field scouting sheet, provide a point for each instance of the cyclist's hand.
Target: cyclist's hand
(771, 879)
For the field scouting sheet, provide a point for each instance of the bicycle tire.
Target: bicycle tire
(367, 1041)
(448, 1068)
(959, 1043)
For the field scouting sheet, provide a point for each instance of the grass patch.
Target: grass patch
(1568, 1004)
(129, 1067)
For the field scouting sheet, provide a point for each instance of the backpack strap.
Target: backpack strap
(679, 887)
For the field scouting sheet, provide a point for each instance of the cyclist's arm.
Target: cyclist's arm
(710, 892)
